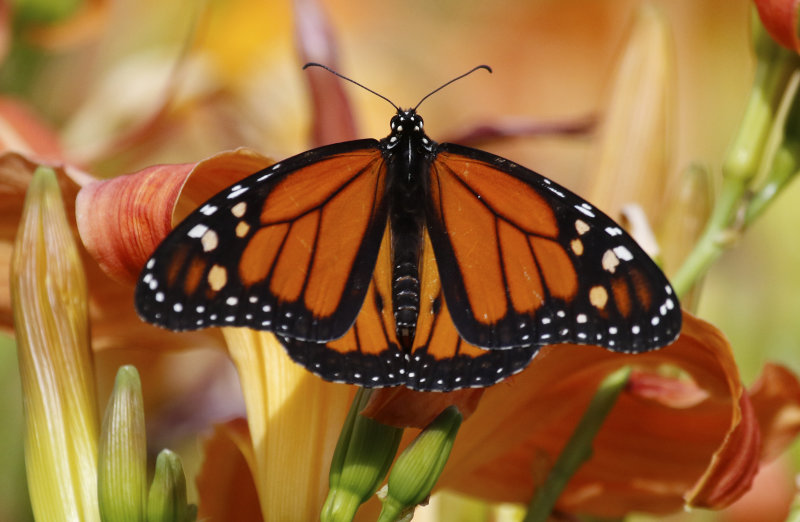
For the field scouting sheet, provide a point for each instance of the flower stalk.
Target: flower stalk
(579, 447)
(774, 70)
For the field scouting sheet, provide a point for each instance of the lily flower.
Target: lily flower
(685, 431)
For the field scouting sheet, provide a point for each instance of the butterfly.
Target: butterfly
(403, 261)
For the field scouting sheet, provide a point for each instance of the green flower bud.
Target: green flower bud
(167, 499)
(418, 468)
(361, 459)
(122, 465)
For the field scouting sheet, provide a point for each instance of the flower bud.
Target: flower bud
(418, 468)
(49, 300)
(362, 457)
(122, 463)
(167, 499)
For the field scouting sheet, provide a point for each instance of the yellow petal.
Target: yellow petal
(294, 419)
(634, 147)
(49, 300)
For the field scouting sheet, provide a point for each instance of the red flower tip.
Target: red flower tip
(780, 18)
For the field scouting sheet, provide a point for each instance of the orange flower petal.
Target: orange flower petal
(225, 483)
(734, 465)
(650, 452)
(776, 399)
(404, 408)
(122, 220)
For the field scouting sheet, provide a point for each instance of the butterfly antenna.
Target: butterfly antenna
(314, 64)
(451, 81)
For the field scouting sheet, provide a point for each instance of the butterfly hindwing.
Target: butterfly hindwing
(289, 249)
(525, 261)
(369, 354)
(441, 359)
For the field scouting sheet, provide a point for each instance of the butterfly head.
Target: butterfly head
(406, 121)
(407, 127)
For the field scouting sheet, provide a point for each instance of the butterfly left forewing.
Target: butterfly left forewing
(289, 249)
(525, 261)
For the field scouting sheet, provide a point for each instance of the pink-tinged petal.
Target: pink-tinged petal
(23, 132)
(668, 391)
(780, 20)
(654, 448)
(225, 484)
(122, 220)
(404, 408)
(770, 497)
(332, 115)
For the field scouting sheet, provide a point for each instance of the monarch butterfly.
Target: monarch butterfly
(408, 262)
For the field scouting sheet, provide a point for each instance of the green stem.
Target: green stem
(740, 165)
(579, 447)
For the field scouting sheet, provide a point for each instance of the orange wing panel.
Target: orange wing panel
(512, 198)
(258, 257)
(474, 242)
(292, 267)
(557, 268)
(344, 222)
(296, 195)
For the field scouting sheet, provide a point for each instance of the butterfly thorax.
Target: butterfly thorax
(408, 153)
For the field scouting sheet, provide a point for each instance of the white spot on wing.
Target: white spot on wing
(584, 211)
(197, 230)
(208, 209)
(623, 253)
(236, 192)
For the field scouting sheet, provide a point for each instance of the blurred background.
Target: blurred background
(130, 83)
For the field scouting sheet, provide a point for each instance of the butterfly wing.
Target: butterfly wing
(289, 249)
(524, 261)
(369, 354)
(441, 359)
